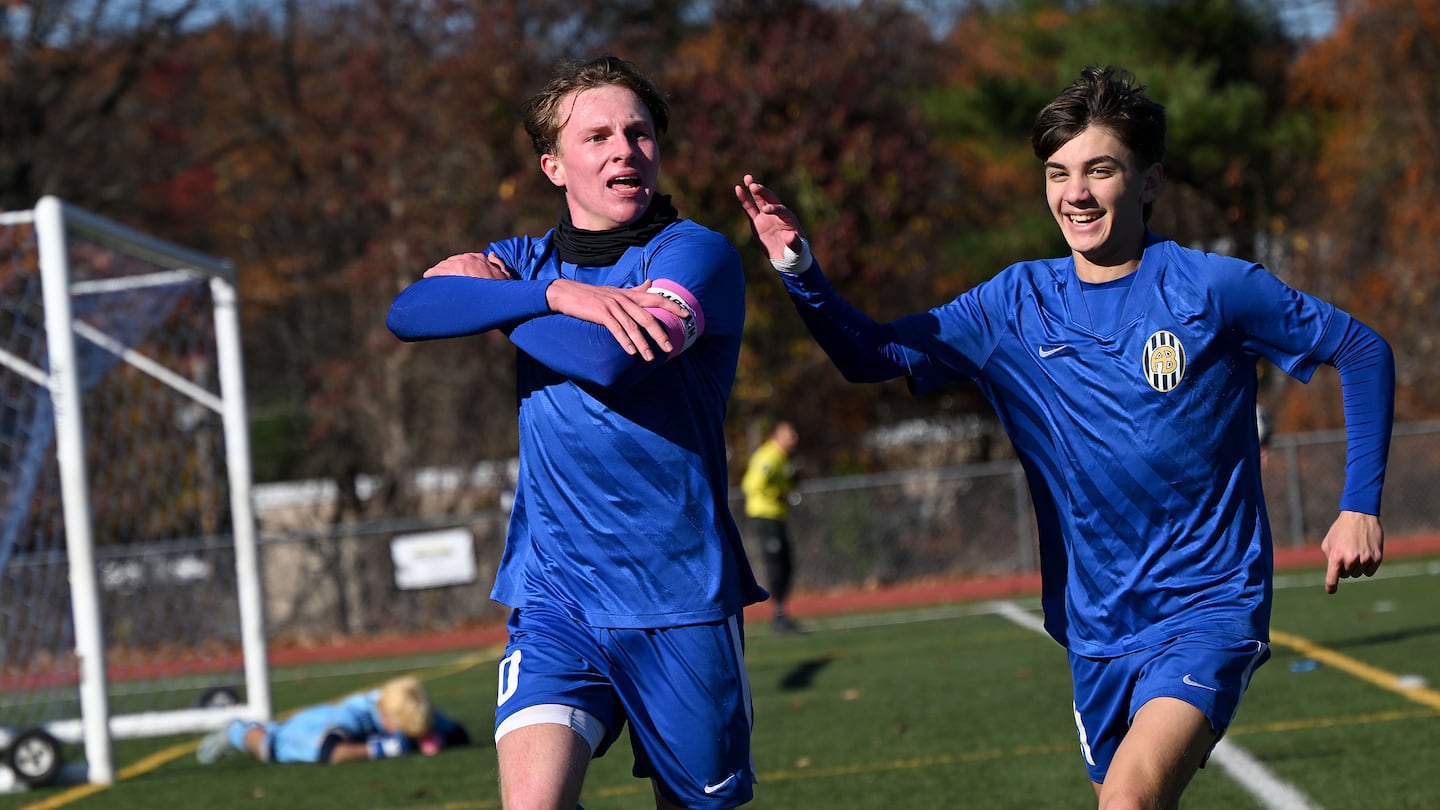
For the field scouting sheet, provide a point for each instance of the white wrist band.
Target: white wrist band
(793, 262)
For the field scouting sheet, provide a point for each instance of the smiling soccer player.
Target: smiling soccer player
(1125, 375)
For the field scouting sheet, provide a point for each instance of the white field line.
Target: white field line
(1259, 781)
(1271, 792)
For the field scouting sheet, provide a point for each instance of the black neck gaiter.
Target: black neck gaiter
(604, 248)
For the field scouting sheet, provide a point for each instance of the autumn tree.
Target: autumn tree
(1218, 67)
(83, 109)
(906, 150)
(375, 143)
(334, 149)
(1367, 213)
(381, 137)
(817, 101)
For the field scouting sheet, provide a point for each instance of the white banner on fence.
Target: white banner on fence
(433, 559)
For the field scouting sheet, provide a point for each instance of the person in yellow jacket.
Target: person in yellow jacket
(768, 484)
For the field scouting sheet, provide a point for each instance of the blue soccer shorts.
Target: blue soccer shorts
(1209, 671)
(683, 690)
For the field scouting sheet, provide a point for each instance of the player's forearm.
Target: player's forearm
(582, 351)
(348, 752)
(453, 306)
(589, 352)
(1367, 377)
(857, 345)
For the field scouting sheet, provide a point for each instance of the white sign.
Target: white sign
(433, 559)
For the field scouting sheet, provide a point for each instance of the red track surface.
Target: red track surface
(939, 592)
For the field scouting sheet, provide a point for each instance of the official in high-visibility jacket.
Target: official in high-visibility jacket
(769, 484)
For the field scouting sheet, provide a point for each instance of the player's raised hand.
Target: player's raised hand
(775, 225)
(1353, 547)
(621, 310)
(475, 265)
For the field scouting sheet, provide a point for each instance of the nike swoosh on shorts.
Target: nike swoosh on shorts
(1189, 681)
(722, 783)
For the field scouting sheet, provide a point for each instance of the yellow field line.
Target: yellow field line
(61, 799)
(640, 788)
(174, 752)
(1281, 726)
(1374, 675)
(1359, 669)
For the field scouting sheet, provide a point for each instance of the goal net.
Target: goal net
(130, 601)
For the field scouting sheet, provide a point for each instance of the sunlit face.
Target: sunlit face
(787, 437)
(1097, 193)
(607, 157)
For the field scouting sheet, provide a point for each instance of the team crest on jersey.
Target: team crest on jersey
(1164, 361)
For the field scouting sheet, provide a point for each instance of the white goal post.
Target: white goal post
(124, 462)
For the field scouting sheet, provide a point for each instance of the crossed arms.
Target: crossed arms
(598, 334)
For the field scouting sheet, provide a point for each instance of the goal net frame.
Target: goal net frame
(55, 223)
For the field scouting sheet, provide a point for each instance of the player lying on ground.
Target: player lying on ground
(390, 721)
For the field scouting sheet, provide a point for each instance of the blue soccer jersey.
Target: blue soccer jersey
(1137, 437)
(621, 515)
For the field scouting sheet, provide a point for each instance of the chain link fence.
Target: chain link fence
(327, 582)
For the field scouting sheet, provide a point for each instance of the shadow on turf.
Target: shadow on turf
(1386, 638)
(802, 675)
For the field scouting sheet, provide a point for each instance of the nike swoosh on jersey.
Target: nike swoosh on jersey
(1189, 681)
(721, 784)
(1048, 351)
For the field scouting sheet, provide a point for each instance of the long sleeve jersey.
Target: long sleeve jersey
(621, 512)
(1137, 432)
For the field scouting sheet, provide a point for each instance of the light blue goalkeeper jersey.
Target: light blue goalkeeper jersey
(621, 515)
(302, 736)
(1139, 440)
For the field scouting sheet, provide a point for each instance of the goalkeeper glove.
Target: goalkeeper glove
(384, 746)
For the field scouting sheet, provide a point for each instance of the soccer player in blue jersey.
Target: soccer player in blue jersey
(1125, 375)
(391, 721)
(623, 564)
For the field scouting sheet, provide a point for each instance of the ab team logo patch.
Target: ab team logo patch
(1164, 361)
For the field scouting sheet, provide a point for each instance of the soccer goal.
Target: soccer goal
(130, 599)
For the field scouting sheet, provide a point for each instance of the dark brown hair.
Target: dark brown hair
(1103, 97)
(1109, 98)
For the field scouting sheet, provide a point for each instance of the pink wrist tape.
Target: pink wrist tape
(683, 332)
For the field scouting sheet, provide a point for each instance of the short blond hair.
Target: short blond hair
(405, 706)
(542, 112)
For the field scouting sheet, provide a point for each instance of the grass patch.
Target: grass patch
(954, 707)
